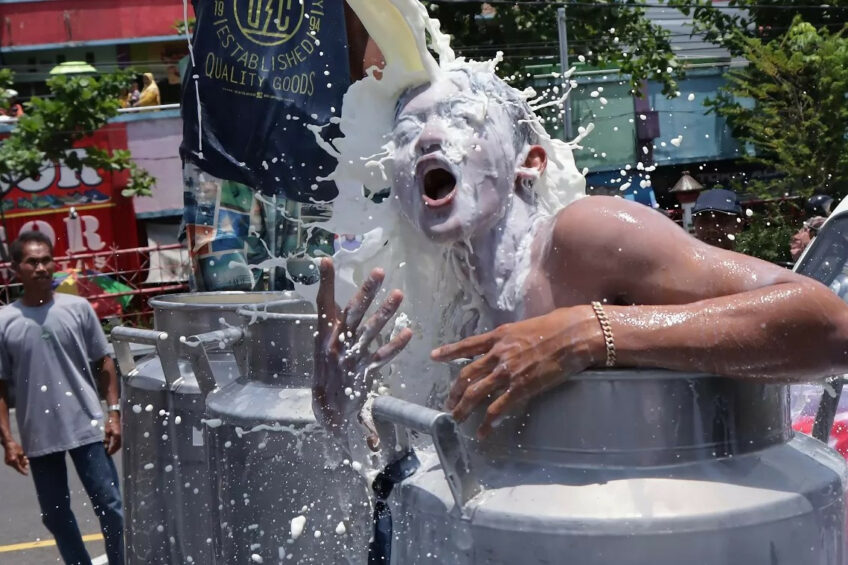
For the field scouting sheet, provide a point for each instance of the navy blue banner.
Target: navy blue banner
(263, 70)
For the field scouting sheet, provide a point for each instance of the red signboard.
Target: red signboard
(81, 213)
(69, 21)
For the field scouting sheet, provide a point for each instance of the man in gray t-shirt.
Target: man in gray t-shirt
(48, 343)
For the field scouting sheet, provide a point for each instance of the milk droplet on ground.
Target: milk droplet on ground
(340, 529)
(43, 388)
(691, 96)
(256, 558)
(148, 408)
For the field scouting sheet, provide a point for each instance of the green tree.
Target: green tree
(730, 24)
(768, 232)
(604, 33)
(77, 106)
(789, 106)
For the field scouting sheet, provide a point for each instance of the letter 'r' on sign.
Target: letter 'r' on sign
(82, 234)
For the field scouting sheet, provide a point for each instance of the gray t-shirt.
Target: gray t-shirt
(45, 352)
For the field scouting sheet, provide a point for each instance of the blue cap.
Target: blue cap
(718, 200)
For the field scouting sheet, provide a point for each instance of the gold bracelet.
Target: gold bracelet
(606, 328)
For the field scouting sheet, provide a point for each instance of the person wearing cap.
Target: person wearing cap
(818, 205)
(717, 217)
(817, 209)
(803, 237)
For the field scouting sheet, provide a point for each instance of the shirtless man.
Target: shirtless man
(672, 301)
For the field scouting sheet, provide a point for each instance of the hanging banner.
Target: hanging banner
(263, 70)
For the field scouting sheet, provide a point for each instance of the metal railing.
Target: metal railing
(141, 273)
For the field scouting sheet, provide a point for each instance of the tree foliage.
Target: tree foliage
(767, 234)
(730, 24)
(78, 105)
(789, 105)
(605, 33)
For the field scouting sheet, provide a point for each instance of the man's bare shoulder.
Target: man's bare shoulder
(598, 243)
(594, 223)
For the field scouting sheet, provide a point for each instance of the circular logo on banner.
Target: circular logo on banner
(269, 22)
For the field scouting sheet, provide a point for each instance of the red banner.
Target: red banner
(82, 212)
(66, 21)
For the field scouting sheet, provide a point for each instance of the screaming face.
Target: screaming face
(454, 160)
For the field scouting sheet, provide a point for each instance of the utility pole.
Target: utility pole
(563, 61)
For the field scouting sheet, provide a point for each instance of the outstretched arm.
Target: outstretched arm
(673, 302)
(696, 307)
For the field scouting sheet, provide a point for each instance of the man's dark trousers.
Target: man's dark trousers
(100, 478)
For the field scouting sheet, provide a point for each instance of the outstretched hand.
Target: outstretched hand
(518, 361)
(344, 366)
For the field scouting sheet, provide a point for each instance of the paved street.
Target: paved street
(23, 538)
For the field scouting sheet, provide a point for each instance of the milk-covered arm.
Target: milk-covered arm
(345, 365)
(673, 302)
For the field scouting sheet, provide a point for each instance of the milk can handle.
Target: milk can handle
(122, 337)
(828, 406)
(441, 427)
(195, 349)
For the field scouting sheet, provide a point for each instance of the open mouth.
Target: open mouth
(439, 186)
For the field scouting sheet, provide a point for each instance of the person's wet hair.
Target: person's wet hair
(491, 86)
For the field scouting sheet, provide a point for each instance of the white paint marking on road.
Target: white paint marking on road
(101, 560)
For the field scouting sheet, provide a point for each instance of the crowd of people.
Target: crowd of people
(718, 219)
(147, 96)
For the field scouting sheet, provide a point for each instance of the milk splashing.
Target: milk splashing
(297, 525)
(365, 160)
(417, 53)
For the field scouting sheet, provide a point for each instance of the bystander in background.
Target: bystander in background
(149, 95)
(817, 209)
(717, 217)
(48, 342)
(13, 108)
(134, 95)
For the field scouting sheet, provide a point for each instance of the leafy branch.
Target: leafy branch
(77, 107)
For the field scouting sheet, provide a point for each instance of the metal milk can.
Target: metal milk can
(283, 496)
(167, 493)
(624, 467)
